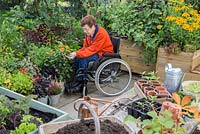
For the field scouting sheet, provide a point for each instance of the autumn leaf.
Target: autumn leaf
(186, 100)
(192, 109)
(176, 98)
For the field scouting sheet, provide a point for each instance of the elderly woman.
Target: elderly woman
(96, 43)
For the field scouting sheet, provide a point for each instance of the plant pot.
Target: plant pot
(61, 115)
(141, 81)
(141, 107)
(44, 99)
(155, 83)
(54, 99)
(173, 108)
(146, 89)
(151, 93)
(54, 127)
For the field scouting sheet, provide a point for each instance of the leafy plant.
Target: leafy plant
(22, 83)
(182, 24)
(55, 88)
(27, 125)
(12, 109)
(158, 124)
(141, 21)
(185, 107)
(150, 76)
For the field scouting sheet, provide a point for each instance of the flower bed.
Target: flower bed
(38, 106)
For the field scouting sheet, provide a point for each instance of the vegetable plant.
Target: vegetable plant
(159, 123)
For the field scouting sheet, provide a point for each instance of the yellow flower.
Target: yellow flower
(185, 14)
(180, 21)
(187, 27)
(159, 27)
(177, 9)
(195, 25)
(170, 18)
(180, 1)
(193, 12)
(185, 7)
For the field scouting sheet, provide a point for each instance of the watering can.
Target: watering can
(85, 113)
(173, 78)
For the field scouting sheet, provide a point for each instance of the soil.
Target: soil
(88, 127)
(46, 117)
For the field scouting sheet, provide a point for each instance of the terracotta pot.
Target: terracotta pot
(151, 93)
(176, 111)
(141, 81)
(155, 83)
(173, 108)
(165, 105)
(146, 89)
(163, 93)
(159, 87)
(144, 85)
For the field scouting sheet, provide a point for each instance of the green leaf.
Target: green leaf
(152, 114)
(157, 11)
(147, 122)
(130, 118)
(147, 131)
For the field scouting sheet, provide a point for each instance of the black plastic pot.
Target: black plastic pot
(141, 107)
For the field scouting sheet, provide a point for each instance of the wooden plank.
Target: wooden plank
(183, 61)
(133, 55)
(192, 76)
(195, 60)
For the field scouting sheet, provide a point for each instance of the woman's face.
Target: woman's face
(89, 30)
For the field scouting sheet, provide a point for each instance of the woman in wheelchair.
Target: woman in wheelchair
(96, 43)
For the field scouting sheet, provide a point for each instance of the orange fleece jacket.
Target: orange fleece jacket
(99, 45)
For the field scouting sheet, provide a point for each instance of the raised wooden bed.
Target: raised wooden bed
(133, 55)
(54, 127)
(185, 61)
(38, 106)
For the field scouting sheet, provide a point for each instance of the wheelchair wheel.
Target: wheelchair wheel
(110, 79)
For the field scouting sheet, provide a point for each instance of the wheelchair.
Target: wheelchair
(111, 74)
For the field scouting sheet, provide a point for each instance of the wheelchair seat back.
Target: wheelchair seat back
(93, 65)
(116, 43)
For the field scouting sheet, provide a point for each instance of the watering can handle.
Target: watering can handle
(92, 111)
(168, 66)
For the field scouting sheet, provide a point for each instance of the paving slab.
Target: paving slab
(66, 102)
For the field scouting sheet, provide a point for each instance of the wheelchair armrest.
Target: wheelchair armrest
(112, 55)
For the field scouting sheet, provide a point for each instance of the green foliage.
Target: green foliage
(24, 128)
(4, 111)
(182, 24)
(22, 83)
(150, 76)
(28, 124)
(11, 107)
(158, 123)
(39, 54)
(8, 59)
(142, 22)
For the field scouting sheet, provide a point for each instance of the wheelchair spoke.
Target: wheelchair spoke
(110, 79)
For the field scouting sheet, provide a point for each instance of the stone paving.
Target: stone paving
(66, 102)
